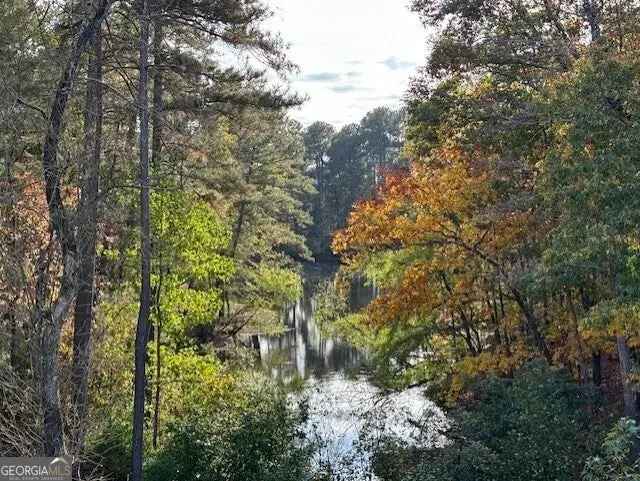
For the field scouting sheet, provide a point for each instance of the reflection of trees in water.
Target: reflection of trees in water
(347, 414)
(303, 351)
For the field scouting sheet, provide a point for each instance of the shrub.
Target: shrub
(617, 461)
(530, 428)
(260, 438)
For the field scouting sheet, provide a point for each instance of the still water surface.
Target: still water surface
(344, 406)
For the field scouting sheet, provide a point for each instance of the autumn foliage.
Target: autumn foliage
(504, 243)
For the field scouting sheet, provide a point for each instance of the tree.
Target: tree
(80, 261)
(49, 319)
(264, 184)
(234, 25)
(87, 239)
(381, 132)
(521, 41)
(347, 165)
(590, 249)
(509, 238)
(142, 330)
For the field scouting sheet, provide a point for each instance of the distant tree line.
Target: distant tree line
(347, 165)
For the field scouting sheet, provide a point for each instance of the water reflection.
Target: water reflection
(303, 351)
(345, 410)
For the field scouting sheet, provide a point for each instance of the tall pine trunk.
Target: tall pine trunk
(156, 151)
(158, 93)
(142, 331)
(87, 234)
(48, 317)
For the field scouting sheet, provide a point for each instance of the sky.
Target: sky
(354, 55)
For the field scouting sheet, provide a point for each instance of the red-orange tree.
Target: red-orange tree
(444, 256)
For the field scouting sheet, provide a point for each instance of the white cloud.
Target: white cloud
(347, 47)
(348, 88)
(394, 63)
(321, 77)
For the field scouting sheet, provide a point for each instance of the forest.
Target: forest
(177, 249)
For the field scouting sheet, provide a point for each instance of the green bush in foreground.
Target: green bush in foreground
(617, 461)
(262, 441)
(530, 428)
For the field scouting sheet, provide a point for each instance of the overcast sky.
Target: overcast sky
(354, 55)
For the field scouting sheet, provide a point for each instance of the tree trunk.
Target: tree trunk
(596, 362)
(592, 15)
(49, 371)
(58, 217)
(87, 234)
(626, 370)
(156, 153)
(142, 331)
(49, 320)
(156, 409)
(532, 325)
(158, 92)
(237, 230)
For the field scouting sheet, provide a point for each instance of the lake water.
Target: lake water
(343, 404)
